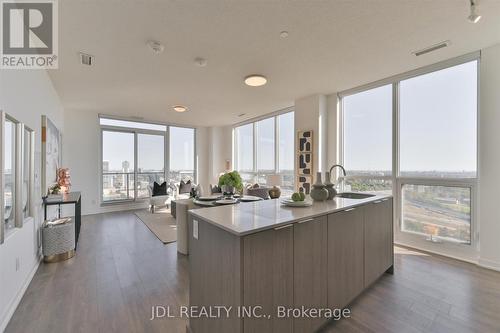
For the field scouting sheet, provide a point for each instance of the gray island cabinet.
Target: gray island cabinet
(261, 261)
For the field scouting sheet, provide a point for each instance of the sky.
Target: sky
(438, 125)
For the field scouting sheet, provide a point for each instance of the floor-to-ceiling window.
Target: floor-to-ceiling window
(266, 147)
(368, 140)
(135, 154)
(415, 135)
(182, 151)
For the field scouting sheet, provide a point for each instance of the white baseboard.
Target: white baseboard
(490, 264)
(11, 308)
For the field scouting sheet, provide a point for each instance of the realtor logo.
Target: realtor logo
(29, 34)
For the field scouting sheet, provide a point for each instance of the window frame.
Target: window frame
(256, 173)
(461, 250)
(136, 131)
(18, 164)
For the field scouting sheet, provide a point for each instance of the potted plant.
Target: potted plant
(229, 182)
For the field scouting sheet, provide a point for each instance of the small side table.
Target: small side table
(72, 198)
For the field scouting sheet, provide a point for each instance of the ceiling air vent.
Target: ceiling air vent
(432, 48)
(86, 59)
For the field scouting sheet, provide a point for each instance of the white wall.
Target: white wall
(489, 158)
(25, 95)
(311, 114)
(220, 150)
(81, 154)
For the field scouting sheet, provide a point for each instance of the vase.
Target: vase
(332, 192)
(227, 190)
(319, 191)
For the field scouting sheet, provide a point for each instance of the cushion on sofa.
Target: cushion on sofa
(185, 187)
(159, 189)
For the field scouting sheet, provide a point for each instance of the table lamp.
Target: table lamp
(274, 181)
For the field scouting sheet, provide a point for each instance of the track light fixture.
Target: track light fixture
(473, 17)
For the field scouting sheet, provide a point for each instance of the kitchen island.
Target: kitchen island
(261, 261)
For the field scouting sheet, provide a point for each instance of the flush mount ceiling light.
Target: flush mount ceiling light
(180, 108)
(155, 46)
(255, 80)
(284, 34)
(473, 17)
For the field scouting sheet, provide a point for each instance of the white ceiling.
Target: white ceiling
(332, 46)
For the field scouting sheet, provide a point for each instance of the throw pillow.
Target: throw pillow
(215, 189)
(159, 189)
(185, 187)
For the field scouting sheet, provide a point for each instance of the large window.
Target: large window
(182, 143)
(118, 165)
(134, 155)
(429, 159)
(368, 140)
(266, 147)
(150, 161)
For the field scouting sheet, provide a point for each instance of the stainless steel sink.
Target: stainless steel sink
(352, 195)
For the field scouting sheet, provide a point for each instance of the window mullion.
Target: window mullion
(255, 152)
(135, 165)
(276, 146)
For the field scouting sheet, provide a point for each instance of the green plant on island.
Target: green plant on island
(233, 179)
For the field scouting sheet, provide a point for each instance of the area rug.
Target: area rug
(161, 223)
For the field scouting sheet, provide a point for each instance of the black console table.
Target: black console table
(72, 198)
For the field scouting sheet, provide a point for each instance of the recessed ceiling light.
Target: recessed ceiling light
(255, 80)
(473, 17)
(155, 46)
(284, 34)
(180, 108)
(241, 114)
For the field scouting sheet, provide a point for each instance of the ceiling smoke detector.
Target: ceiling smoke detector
(200, 62)
(155, 46)
(86, 59)
(473, 17)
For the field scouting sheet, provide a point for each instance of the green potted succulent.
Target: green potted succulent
(229, 182)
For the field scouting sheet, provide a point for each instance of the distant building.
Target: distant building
(105, 166)
(125, 166)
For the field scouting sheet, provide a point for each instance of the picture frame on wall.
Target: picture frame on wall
(304, 183)
(305, 160)
(51, 153)
(305, 163)
(305, 141)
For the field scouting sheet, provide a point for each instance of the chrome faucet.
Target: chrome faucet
(339, 166)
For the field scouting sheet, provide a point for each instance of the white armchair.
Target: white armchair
(158, 200)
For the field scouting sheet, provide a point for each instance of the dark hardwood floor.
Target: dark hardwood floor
(121, 270)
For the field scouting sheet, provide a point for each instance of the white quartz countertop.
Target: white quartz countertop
(250, 217)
